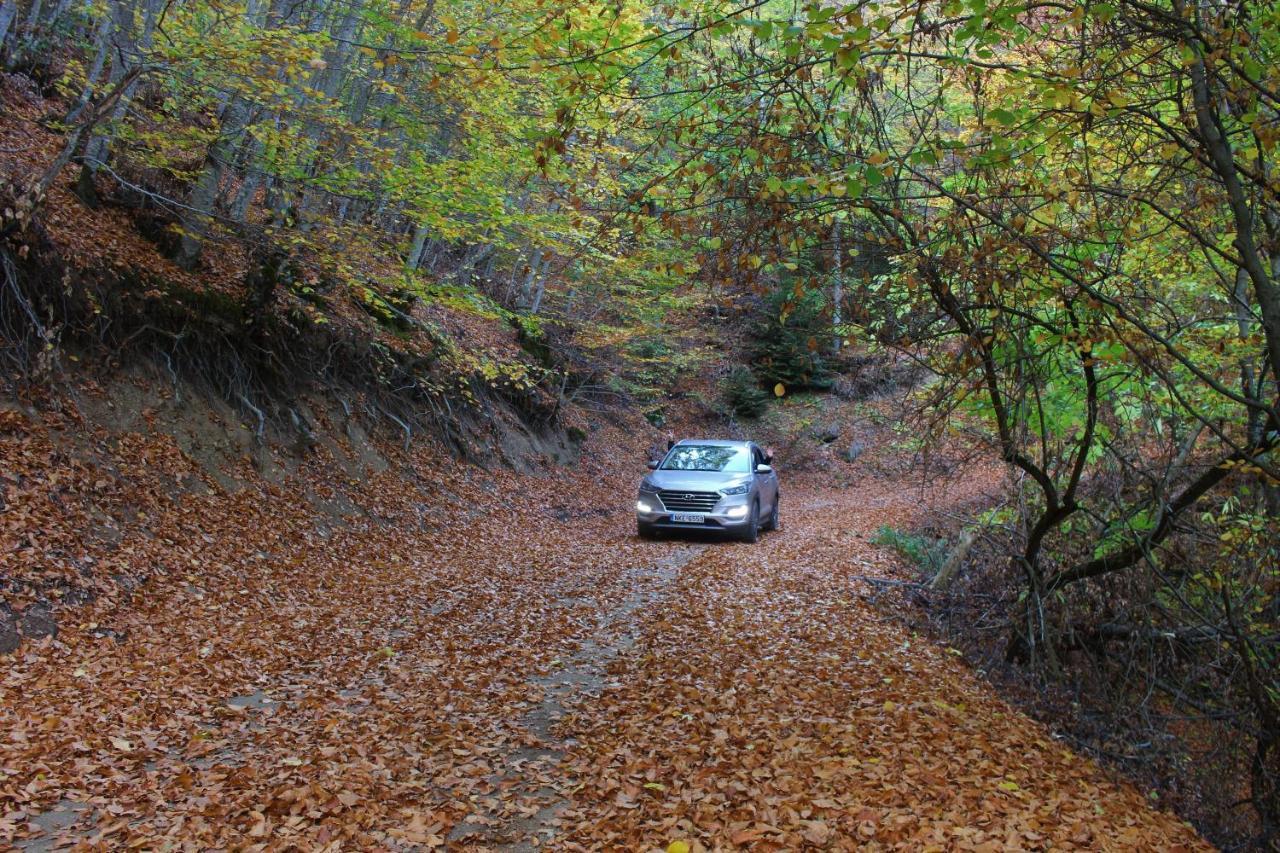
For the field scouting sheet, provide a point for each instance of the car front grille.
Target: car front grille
(678, 501)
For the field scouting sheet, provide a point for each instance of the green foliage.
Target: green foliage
(654, 364)
(743, 394)
(926, 554)
(383, 147)
(787, 341)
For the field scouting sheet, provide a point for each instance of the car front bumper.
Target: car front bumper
(720, 517)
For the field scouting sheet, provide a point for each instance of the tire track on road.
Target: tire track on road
(525, 782)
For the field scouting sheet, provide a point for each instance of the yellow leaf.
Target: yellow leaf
(678, 847)
(1008, 786)
(779, 390)
(451, 37)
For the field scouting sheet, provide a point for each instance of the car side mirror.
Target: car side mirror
(653, 464)
(763, 469)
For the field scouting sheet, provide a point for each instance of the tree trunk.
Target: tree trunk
(530, 280)
(102, 42)
(539, 290)
(99, 147)
(414, 257)
(8, 12)
(72, 144)
(837, 286)
(945, 574)
(32, 23)
(329, 81)
(58, 12)
(250, 150)
(1221, 157)
(199, 215)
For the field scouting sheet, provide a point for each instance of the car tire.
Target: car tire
(646, 531)
(772, 522)
(751, 532)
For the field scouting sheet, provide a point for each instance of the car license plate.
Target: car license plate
(688, 517)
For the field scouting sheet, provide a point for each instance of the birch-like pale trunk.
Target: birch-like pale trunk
(531, 290)
(540, 289)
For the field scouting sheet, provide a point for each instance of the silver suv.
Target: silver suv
(708, 484)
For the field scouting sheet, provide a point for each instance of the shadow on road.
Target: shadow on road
(694, 534)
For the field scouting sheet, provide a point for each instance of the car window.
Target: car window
(708, 457)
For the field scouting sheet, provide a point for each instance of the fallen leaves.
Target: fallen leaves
(374, 687)
(783, 714)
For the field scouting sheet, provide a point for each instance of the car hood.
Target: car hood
(695, 481)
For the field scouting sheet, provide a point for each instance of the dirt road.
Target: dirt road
(508, 676)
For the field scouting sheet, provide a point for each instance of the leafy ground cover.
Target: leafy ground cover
(483, 660)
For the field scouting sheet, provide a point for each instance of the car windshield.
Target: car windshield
(708, 457)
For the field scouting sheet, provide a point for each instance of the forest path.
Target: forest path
(530, 679)
(762, 701)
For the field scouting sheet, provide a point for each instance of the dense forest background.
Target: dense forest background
(1068, 214)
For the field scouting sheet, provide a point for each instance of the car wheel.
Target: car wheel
(646, 531)
(751, 532)
(772, 522)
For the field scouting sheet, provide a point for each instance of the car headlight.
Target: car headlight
(648, 488)
(641, 506)
(737, 511)
(740, 489)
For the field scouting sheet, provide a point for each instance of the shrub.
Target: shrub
(927, 554)
(788, 342)
(743, 394)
